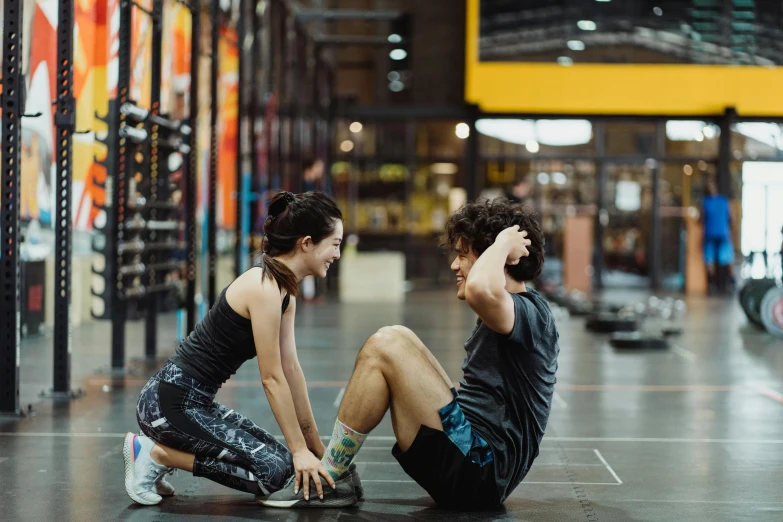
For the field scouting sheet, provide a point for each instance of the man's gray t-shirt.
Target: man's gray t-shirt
(506, 392)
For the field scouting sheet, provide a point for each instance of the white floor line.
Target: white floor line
(664, 440)
(570, 465)
(730, 502)
(682, 352)
(364, 481)
(598, 454)
(521, 483)
(380, 438)
(339, 398)
(767, 392)
(559, 400)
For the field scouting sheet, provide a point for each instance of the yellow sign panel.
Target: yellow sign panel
(639, 89)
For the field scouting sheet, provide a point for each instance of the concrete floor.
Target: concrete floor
(691, 434)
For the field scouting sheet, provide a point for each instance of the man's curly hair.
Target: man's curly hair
(476, 225)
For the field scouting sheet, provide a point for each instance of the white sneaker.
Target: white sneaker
(162, 486)
(141, 472)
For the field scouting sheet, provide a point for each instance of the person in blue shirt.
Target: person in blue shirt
(718, 249)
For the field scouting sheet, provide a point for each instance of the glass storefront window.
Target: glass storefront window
(627, 138)
(628, 230)
(354, 137)
(757, 140)
(439, 139)
(688, 138)
(681, 189)
(664, 31)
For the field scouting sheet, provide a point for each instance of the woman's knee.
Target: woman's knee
(274, 475)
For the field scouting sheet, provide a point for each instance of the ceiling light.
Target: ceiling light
(444, 168)
(576, 45)
(394, 38)
(393, 76)
(462, 131)
(586, 25)
(355, 127)
(346, 146)
(398, 54)
(532, 146)
(565, 60)
(396, 86)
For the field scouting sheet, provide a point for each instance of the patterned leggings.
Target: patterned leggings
(178, 411)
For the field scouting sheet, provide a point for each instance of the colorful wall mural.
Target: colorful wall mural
(96, 47)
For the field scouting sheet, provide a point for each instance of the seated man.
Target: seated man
(469, 449)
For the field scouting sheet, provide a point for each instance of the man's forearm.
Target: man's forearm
(488, 272)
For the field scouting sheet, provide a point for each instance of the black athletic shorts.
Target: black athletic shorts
(455, 477)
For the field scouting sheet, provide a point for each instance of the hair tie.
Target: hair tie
(277, 208)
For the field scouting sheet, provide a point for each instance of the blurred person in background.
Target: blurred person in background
(519, 192)
(718, 249)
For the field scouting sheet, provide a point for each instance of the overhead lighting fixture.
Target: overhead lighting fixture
(586, 25)
(555, 133)
(658, 11)
(684, 130)
(699, 136)
(576, 45)
(462, 130)
(396, 86)
(543, 178)
(558, 178)
(398, 54)
(444, 168)
(356, 127)
(394, 38)
(393, 76)
(709, 132)
(565, 60)
(346, 146)
(603, 0)
(532, 146)
(688, 170)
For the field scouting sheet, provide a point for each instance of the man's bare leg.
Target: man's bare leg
(431, 358)
(393, 372)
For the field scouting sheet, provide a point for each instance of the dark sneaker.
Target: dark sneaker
(343, 495)
(357, 482)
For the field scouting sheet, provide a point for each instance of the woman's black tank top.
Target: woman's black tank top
(218, 345)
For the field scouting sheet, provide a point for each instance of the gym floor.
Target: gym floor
(691, 434)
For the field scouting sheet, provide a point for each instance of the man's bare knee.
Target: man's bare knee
(409, 334)
(383, 344)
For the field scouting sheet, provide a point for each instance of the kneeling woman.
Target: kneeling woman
(187, 429)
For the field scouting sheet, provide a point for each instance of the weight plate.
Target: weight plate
(670, 331)
(772, 311)
(750, 299)
(638, 341)
(605, 322)
(580, 308)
